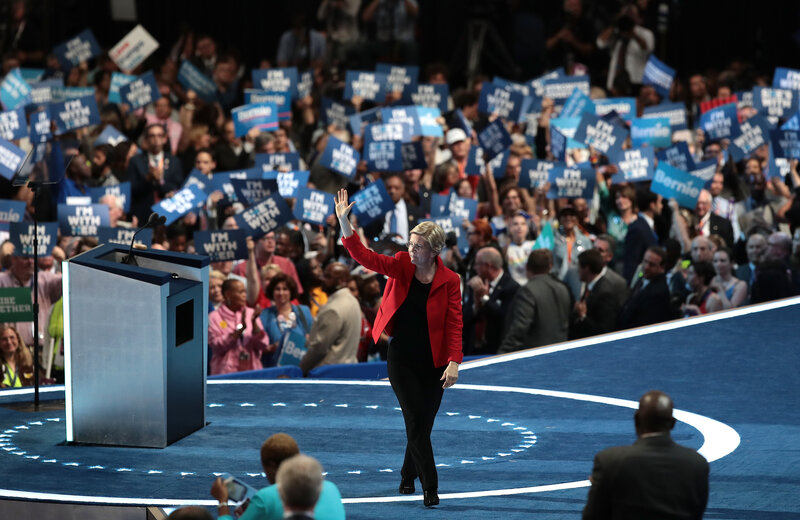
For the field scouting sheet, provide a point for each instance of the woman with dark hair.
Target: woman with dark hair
(283, 317)
(731, 291)
(235, 337)
(424, 297)
(17, 362)
(699, 276)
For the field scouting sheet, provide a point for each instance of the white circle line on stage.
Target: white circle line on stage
(719, 440)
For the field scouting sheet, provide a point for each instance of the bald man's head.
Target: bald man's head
(654, 414)
(334, 277)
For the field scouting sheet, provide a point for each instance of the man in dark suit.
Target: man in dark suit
(487, 299)
(598, 308)
(707, 223)
(649, 301)
(402, 218)
(606, 245)
(641, 232)
(153, 174)
(652, 478)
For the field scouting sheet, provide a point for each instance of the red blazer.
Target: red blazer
(444, 300)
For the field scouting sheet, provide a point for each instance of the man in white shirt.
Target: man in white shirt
(630, 46)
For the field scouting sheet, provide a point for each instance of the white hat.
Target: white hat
(455, 135)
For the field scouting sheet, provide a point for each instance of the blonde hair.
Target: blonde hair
(433, 235)
(23, 356)
(218, 275)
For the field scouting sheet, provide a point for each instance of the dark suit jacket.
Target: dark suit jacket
(648, 305)
(142, 191)
(722, 227)
(495, 311)
(602, 311)
(375, 228)
(654, 478)
(637, 240)
(620, 286)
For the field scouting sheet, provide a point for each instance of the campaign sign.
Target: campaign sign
(497, 165)
(334, 113)
(109, 135)
(413, 156)
(11, 158)
(658, 74)
(677, 156)
(191, 78)
(535, 173)
(285, 161)
(429, 95)
(14, 91)
(123, 236)
(495, 99)
(283, 100)
(141, 91)
(368, 85)
(313, 206)
(785, 143)
(361, 119)
(196, 178)
(383, 156)
(268, 215)
(461, 121)
(475, 164)
(452, 225)
(249, 191)
(31, 75)
(371, 202)
(22, 235)
(11, 210)
(635, 165)
(42, 92)
(624, 106)
(676, 112)
(13, 125)
(522, 88)
(263, 116)
(429, 126)
(118, 80)
(571, 183)
(293, 348)
(340, 157)
(705, 170)
(79, 48)
(775, 102)
(755, 132)
(60, 94)
(576, 104)
(122, 191)
(75, 113)
(407, 116)
(133, 49)
(276, 80)
(538, 83)
(82, 220)
(388, 132)
(721, 122)
(788, 79)
(459, 207)
(653, 131)
(672, 183)
(288, 182)
(222, 245)
(793, 123)
(399, 78)
(776, 166)
(304, 84)
(494, 139)
(181, 203)
(558, 144)
(561, 88)
(223, 181)
(602, 135)
(567, 126)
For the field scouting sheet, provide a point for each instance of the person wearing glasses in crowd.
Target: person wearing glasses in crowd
(424, 353)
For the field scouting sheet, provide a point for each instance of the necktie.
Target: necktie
(393, 222)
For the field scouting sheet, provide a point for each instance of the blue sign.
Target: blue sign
(413, 156)
(522, 88)
(263, 116)
(109, 135)
(672, 183)
(249, 191)
(383, 156)
(122, 191)
(658, 74)
(494, 139)
(677, 156)
(475, 164)
(333, 113)
(406, 116)
(788, 79)
(13, 124)
(42, 92)
(223, 181)
(288, 182)
(361, 119)
(22, 235)
(191, 78)
(11, 158)
(367, 85)
(12, 210)
(79, 48)
(785, 143)
(775, 102)
(197, 178)
(462, 122)
(388, 132)
(571, 183)
(31, 75)
(721, 122)
(118, 80)
(625, 107)
(676, 112)
(558, 144)
(371, 202)
(429, 126)
(282, 100)
(305, 84)
(560, 89)
(293, 348)
(776, 166)
(399, 78)
(278, 161)
(313, 206)
(14, 91)
(535, 173)
(182, 202)
(340, 157)
(635, 165)
(567, 126)
(82, 220)
(453, 225)
(538, 83)
(459, 207)
(123, 236)
(705, 170)
(495, 99)
(60, 94)
(268, 215)
(141, 91)
(653, 131)
(432, 95)
(276, 80)
(222, 245)
(75, 113)
(755, 133)
(793, 123)
(576, 104)
(602, 135)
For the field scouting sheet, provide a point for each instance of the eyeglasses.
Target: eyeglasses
(419, 246)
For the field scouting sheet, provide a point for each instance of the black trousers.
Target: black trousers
(419, 391)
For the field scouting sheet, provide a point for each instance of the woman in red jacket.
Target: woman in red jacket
(421, 311)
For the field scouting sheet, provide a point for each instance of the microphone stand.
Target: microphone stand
(34, 187)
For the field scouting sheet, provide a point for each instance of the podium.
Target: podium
(135, 351)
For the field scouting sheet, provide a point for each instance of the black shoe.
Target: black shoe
(406, 487)
(431, 498)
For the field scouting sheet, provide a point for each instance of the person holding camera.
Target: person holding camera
(630, 46)
(425, 297)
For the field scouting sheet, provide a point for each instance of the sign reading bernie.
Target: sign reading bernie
(672, 183)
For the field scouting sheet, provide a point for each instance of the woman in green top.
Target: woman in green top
(17, 367)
